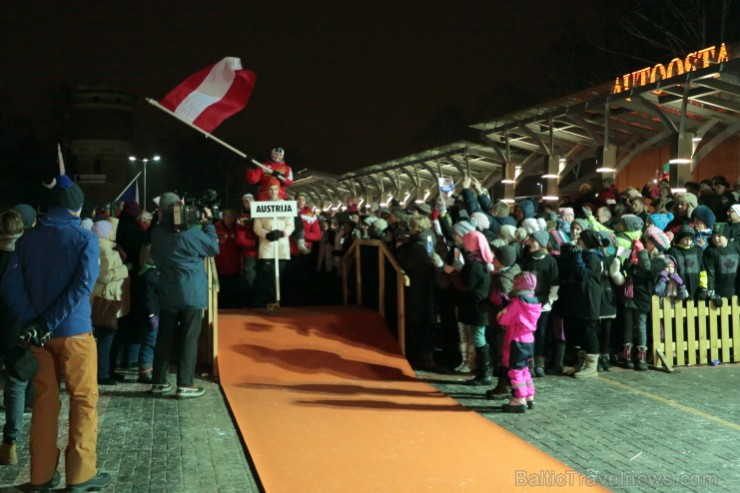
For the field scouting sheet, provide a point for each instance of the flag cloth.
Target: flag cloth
(210, 96)
(131, 192)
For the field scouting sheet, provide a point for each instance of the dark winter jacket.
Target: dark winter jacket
(721, 265)
(589, 269)
(689, 264)
(474, 283)
(415, 259)
(644, 274)
(545, 268)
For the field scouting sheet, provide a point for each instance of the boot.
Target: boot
(8, 454)
(570, 370)
(463, 366)
(627, 357)
(641, 363)
(557, 359)
(589, 367)
(502, 390)
(604, 364)
(539, 366)
(484, 371)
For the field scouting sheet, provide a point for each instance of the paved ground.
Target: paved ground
(634, 431)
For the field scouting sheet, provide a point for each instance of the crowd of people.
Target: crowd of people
(516, 291)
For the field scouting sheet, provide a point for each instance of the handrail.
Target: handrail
(402, 281)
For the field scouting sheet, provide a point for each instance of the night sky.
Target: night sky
(340, 84)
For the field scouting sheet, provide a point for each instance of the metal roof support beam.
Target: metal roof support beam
(653, 110)
(529, 133)
(727, 133)
(457, 164)
(493, 145)
(654, 140)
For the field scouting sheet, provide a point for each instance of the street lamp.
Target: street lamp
(144, 161)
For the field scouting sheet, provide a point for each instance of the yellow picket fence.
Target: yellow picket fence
(695, 333)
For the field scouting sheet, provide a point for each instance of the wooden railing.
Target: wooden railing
(208, 341)
(695, 332)
(402, 280)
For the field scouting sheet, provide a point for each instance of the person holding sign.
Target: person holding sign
(273, 229)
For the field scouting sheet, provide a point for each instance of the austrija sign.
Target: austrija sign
(693, 61)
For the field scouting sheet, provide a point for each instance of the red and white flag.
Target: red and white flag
(210, 96)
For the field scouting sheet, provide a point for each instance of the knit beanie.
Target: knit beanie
(506, 255)
(476, 242)
(659, 239)
(719, 229)
(684, 231)
(630, 222)
(564, 211)
(167, 200)
(582, 223)
(526, 281)
(661, 220)
(102, 229)
(735, 208)
(507, 232)
(28, 215)
(482, 220)
(690, 199)
(463, 227)
(530, 225)
(67, 194)
(131, 208)
(541, 237)
(591, 239)
(556, 239)
(380, 224)
(705, 215)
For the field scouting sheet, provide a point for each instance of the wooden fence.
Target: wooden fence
(695, 333)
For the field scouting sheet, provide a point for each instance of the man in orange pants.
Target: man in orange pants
(47, 284)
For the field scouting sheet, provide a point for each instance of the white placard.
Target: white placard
(277, 208)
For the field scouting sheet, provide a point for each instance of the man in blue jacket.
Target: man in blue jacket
(179, 255)
(47, 284)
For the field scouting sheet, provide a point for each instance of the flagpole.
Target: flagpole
(60, 160)
(211, 136)
(126, 187)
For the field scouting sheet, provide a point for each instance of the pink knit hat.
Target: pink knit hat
(526, 281)
(476, 242)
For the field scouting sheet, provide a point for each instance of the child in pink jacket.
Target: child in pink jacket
(520, 320)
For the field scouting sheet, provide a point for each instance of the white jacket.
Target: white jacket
(263, 225)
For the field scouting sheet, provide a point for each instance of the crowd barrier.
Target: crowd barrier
(208, 341)
(689, 333)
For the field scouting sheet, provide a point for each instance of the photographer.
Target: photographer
(178, 253)
(271, 232)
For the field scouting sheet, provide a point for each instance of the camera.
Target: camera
(189, 212)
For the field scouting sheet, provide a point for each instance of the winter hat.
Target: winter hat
(369, 220)
(684, 231)
(719, 229)
(28, 215)
(671, 259)
(526, 281)
(582, 223)
(735, 208)
(690, 199)
(557, 239)
(659, 239)
(474, 241)
(247, 196)
(424, 209)
(661, 220)
(705, 215)
(540, 237)
(506, 255)
(630, 222)
(507, 232)
(564, 211)
(531, 225)
(380, 224)
(102, 229)
(463, 227)
(131, 208)
(482, 220)
(167, 200)
(67, 194)
(591, 239)
(527, 207)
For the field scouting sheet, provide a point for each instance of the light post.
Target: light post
(144, 162)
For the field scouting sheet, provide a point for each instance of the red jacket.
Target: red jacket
(311, 230)
(246, 238)
(258, 175)
(229, 259)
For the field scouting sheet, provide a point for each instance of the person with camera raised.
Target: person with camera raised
(273, 234)
(178, 252)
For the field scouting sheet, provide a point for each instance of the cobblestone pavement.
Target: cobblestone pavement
(158, 444)
(681, 431)
(683, 428)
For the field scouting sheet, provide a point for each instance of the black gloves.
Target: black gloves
(35, 332)
(703, 294)
(717, 300)
(278, 175)
(274, 235)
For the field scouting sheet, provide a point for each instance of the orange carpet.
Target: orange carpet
(327, 404)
